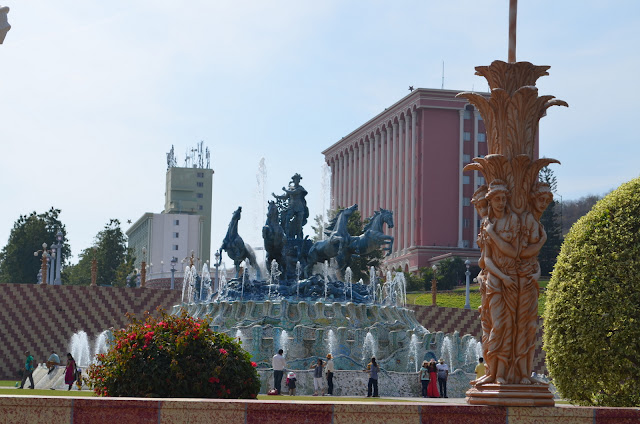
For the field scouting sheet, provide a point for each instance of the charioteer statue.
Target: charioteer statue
(293, 206)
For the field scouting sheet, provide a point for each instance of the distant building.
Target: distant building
(409, 159)
(183, 227)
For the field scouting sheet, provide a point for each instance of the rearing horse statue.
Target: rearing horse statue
(373, 237)
(274, 237)
(335, 245)
(236, 248)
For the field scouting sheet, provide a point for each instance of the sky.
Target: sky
(93, 94)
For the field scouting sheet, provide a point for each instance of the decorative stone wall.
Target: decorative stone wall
(41, 318)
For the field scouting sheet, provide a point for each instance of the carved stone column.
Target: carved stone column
(510, 235)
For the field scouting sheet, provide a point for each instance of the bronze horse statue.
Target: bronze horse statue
(373, 237)
(236, 248)
(274, 237)
(335, 245)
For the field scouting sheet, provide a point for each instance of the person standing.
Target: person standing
(443, 376)
(373, 368)
(424, 377)
(432, 390)
(29, 366)
(279, 363)
(330, 370)
(317, 377)
(70, 371)
(481, 369)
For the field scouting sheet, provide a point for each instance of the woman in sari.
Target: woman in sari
(432, 389)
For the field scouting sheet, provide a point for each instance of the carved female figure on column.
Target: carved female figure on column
(533, 238)
(481, 204)
(501, 246)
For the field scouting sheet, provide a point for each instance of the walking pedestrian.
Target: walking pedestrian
(279, 363)
(29, 367)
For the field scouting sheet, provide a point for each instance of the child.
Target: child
(291, 383)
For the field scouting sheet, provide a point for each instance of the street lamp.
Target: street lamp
(467, 305)
(143, 266)
(58, 252)
(174, 261)
(217, 265)
(434, 284)
(43, 267)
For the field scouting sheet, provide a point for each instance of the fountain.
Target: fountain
(309, 304)
(80, 349)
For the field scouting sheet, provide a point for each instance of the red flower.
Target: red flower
(253, 364)
(224, 352)
(214, 380)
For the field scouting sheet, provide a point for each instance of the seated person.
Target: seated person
(53, 360)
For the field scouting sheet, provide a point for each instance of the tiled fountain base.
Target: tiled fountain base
(22, 409)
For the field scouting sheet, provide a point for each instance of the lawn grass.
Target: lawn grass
(57, 393)
(456, 298)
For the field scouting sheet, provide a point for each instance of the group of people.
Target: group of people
(433, 378)
(279, 364)
(71, 374)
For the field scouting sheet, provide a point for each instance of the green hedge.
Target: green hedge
(592, 314)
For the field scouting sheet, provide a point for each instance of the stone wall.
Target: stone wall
(467, 321)
(41, 318)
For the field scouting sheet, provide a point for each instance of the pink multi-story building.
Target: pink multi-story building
(409, 159)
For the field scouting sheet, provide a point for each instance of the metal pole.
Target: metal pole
(58, 280)
(467, 305)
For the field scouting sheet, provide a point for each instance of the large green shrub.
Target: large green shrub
(592, 314)
(174, 356)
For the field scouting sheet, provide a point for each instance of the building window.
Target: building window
(467, 114)
(480, 180)
(200, 184)
(200, 174)
(466, 136)
(482, 137)
(466, 201)
(176, 235)
(174, 247)
(465, 223)
(200, 207)
(176, 222)
(466, 179)
(465, 243)
(199, 195)
(466, 158)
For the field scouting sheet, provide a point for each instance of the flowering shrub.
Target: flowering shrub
(174, 356)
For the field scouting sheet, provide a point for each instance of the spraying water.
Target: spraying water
(473, 351)
(239, 336)
(413, 353)
(325, 272)
(348, 275)
(206, 283)
(369, 348)
(298, 272)
(101, 343)
(446, 352)
(332, 342)
(372, 284)
(79, 348)
(284, 341)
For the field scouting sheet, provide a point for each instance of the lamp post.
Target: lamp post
(467, 273)
(50, 265)
(434, 285)
(58, 250)
(94, 268)
(143, 266)
(43, 267)
(217, 265)
(174, 261)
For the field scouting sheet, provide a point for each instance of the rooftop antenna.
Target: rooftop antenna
(442, 88)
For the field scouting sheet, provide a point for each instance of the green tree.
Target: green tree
(592, 311)
(450, 273)
(114, 259)
(17, 262)
(550, 219)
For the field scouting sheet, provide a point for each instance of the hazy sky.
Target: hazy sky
(94, 93)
